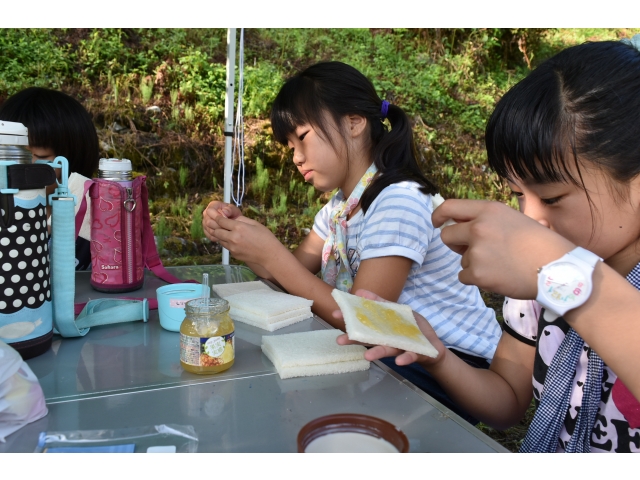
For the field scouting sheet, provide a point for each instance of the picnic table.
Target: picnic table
(128, 375)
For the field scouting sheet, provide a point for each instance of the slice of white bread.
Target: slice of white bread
(326, 369)
(225, 289)
(301, 312)
(270, 326)
(312, 353)
(310, 348)
(382, 323)
(267, 303)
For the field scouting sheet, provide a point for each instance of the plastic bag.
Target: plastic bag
(21, 397)
(156, 438)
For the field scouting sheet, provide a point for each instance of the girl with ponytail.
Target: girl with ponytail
(376, 231)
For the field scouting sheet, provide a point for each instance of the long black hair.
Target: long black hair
(57, 121)
(582, 103)
(340, 90)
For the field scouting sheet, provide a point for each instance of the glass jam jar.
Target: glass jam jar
(207, 332)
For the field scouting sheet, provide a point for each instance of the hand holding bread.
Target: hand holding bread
(429, 344)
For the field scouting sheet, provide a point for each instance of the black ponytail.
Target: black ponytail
(395, 156)
(341, 90)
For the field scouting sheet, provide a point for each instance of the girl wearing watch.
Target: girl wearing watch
(567, 140)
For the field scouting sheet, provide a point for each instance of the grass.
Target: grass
(197, 232)
(511, 438)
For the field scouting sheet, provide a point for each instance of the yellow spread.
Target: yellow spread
(385, 320)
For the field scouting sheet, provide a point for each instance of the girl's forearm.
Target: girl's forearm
(609, 322)
(294, 277)
(260, 271)
(484, 394)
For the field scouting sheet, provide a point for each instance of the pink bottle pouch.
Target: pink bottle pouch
(117, 263)
(122, 242)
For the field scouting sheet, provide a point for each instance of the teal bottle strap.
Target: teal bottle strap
(107, 311)
(104, 311)
(63, 265)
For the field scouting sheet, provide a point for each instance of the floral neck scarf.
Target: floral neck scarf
(335, 264)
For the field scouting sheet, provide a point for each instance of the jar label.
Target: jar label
(207, 351)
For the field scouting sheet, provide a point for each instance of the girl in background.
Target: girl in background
(58, 126)
(376, 231)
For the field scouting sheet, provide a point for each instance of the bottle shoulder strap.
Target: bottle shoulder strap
(149, 250)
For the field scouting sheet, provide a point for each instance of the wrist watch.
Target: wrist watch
(566, 283)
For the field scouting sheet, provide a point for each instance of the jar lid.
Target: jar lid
(13, 133)
(115, 164)
(206, 306)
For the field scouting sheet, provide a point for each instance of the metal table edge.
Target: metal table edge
(145, 389)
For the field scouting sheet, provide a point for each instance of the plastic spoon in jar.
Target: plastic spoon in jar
(206, 290)
(210, 292)
(203, 324)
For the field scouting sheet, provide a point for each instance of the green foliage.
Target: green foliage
(312, 210)
(279, 202)
(189, 114)
(174, 97)
(260, 182)
(179, 207)
(261, 85)
(183, 175)
(311, 192)
(272, 224)
(146, 89)
(31, 57)
(161, 230)
(197, 232)
(201, 83)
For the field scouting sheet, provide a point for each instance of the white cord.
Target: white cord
(238, 136)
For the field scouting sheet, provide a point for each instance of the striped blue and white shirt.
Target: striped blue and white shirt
(398, 223)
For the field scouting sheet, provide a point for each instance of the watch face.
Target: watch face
(565, 284)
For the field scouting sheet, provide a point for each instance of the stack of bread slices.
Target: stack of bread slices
(306, 354)
(254, 303)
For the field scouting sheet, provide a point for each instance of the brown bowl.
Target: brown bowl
(355, 423)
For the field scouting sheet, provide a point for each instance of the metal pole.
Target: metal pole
(228, 122)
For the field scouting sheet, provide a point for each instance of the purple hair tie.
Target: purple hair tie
(384, 109)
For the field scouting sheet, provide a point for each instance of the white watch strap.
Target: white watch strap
(586, 256)
(550, 316)
(583, 256)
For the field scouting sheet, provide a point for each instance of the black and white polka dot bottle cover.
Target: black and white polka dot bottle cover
(24, 261)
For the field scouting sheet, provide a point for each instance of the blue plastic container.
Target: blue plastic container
(171, 302)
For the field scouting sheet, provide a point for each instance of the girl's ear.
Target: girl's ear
(357, 125)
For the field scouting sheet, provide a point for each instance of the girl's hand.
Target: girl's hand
(402, 357)
(501, 248)
(214, 210)
(247, 240)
